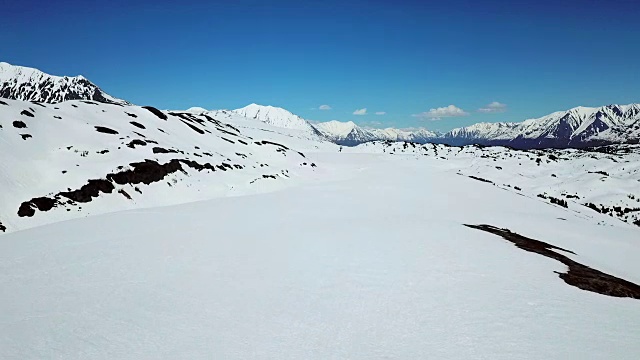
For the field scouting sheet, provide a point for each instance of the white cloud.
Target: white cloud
(442, 112)
(381, 113)
(494, 107)
(324, 107)
(360, 112)
(370, 124)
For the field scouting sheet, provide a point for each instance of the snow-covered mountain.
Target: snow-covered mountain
(350, 134)
(277, 117)
(577, 127)
(24, 83)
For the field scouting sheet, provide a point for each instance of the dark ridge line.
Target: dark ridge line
(105, 130)
(137, 124)
(480, 179)
(226, 132)
(156, 112)
(187, 117)
(193, 127)
(578, 275)
(145, 172)
(265, 142)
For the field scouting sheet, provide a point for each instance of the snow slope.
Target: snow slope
(601, 180)
(370, 260)
(24, 83)
(76, 158)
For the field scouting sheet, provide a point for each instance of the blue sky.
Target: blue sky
(403, 58)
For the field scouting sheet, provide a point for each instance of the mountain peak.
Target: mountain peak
(275, 116)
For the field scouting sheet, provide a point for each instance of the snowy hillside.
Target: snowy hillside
(76, 158)
(604, 180)
(24, 83)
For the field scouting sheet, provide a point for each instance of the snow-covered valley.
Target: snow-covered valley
(371, 260)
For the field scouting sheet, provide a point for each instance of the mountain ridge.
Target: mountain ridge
(577, 127)
(30, 84)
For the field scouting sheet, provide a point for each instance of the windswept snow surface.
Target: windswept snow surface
(369, 259)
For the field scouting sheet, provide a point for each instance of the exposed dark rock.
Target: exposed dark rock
(25, 136)
(146, 172)
(264, 142)
(225, 139)
(132, 115)
(105, 130)
(125, 194)
(481, 179)
(92, 189)
(2, 227)
(554, 200)
(3, 103)
(40, 203)
(578, 275)
(19, 124)
(137, 124)
(160, 150)
(193, 127)
(156, 112)
(132, 144)
(26, 113)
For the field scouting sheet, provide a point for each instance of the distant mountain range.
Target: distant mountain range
(578, 127)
